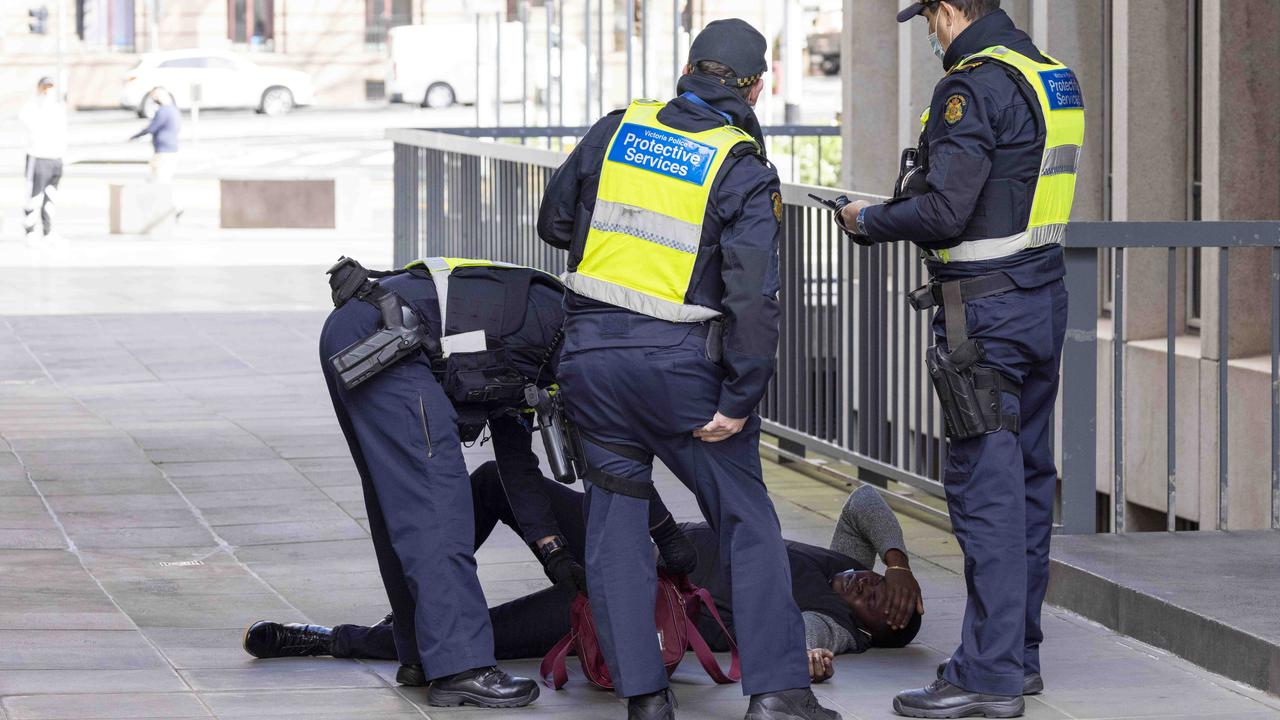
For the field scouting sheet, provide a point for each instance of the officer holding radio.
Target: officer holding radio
(987, 196)
(671, 216)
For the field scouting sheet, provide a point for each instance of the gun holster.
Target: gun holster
(401, 335)
(968, 391)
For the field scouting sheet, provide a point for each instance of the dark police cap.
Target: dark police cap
(733, 43)
(915, 9)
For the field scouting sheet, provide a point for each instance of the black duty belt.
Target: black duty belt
(953, 294)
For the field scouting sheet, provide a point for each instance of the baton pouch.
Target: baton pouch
(968, 392)
(485, 377)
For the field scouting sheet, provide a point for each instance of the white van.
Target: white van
(436, 65)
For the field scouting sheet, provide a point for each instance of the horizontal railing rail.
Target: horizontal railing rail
(803, 153)
(850, 381)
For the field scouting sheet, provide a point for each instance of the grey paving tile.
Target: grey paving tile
(187, 648)
(232, 450)
(206, 611)
(307, 703)
(285, 674)
(340, 528)
(114, 706)
(76, 650)
(190, 534)
(92, 471)
(220, 468)
(32, 539)
(31, 682)
(214, 483)
(105, 486)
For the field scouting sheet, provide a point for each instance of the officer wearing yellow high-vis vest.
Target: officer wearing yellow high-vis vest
(672, 217)
(987, 196)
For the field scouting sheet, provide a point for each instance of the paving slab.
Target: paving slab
(114, 706)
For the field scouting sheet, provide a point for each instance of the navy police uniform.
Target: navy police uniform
(637, 386)
(403, 431)
(985, 142)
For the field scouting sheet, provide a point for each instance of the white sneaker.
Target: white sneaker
(33, 239)
(55, 240)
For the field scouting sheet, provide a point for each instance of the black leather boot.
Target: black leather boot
(487, 687)
(944, 700)
(799, 704)
(411, 676)
(1032, 683)
(654, 706)
(275, 640)
(676, 553)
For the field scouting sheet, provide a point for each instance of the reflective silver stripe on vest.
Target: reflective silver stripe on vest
(612, 217)
(440, 272)
(1047, 235)
(1061, 160)
(637, 301)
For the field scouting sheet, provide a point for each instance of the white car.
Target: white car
(214, 79)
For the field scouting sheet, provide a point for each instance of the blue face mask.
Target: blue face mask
(936, 45)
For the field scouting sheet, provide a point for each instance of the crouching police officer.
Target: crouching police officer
(417, 362)
(986, 196)
(672, 216)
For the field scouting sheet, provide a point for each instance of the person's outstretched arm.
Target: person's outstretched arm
(867, 528)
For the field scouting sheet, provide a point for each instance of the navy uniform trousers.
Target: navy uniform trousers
(404, 440)
(1000, 491)
(648, 384)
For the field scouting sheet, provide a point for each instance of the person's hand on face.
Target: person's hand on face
(820, 665)
(901, 598)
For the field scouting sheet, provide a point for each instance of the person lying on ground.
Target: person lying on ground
(847, 608)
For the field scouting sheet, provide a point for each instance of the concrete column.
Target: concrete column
(1073, 33)
(869, 73)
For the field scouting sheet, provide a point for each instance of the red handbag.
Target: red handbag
(678, 605)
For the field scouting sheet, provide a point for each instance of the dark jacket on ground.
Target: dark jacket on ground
(983, 168)
(737, 267)
(812, 569)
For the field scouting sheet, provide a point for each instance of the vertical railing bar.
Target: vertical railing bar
(1275, 388)
(1224, 354)
(1171, 419)
(631, 31)
(1117, 381)
(586, 59)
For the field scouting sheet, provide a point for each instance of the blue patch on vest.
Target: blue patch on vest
(662, 152)
(1063, 89)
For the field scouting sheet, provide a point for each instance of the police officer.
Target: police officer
(986, 196)
(401, 403)
(671, 216)
(518, 316)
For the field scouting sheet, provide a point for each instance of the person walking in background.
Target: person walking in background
(44, 118)
(164, 128)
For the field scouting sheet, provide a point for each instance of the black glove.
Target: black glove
(676, 553)
(836, 206)
(562, 569)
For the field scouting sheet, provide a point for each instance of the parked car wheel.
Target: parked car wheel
(439, 95)
(276, 101)
(830, 65)
(147, 109)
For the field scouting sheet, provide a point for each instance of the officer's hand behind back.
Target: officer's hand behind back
(720, 428)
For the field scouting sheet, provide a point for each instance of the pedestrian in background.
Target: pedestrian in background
(45, 119)
(164, 128)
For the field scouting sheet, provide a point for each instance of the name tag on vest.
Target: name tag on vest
(662, 152)
(1062, 89)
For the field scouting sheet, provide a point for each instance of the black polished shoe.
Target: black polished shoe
(944, 700)
(487, 687)
(275, 640)
(411, 676)
(654, 706)
(800, 704)
(1032, 683)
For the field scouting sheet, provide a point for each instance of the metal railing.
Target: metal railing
(850, 382)
(806, 154)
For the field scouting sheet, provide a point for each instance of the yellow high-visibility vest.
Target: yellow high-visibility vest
(1062, 108)
(646, 229)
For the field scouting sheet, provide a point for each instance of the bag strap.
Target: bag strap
(703, 652)
(553, 671)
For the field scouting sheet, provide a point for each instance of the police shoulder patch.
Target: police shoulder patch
(956, 106)
(776, 198)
